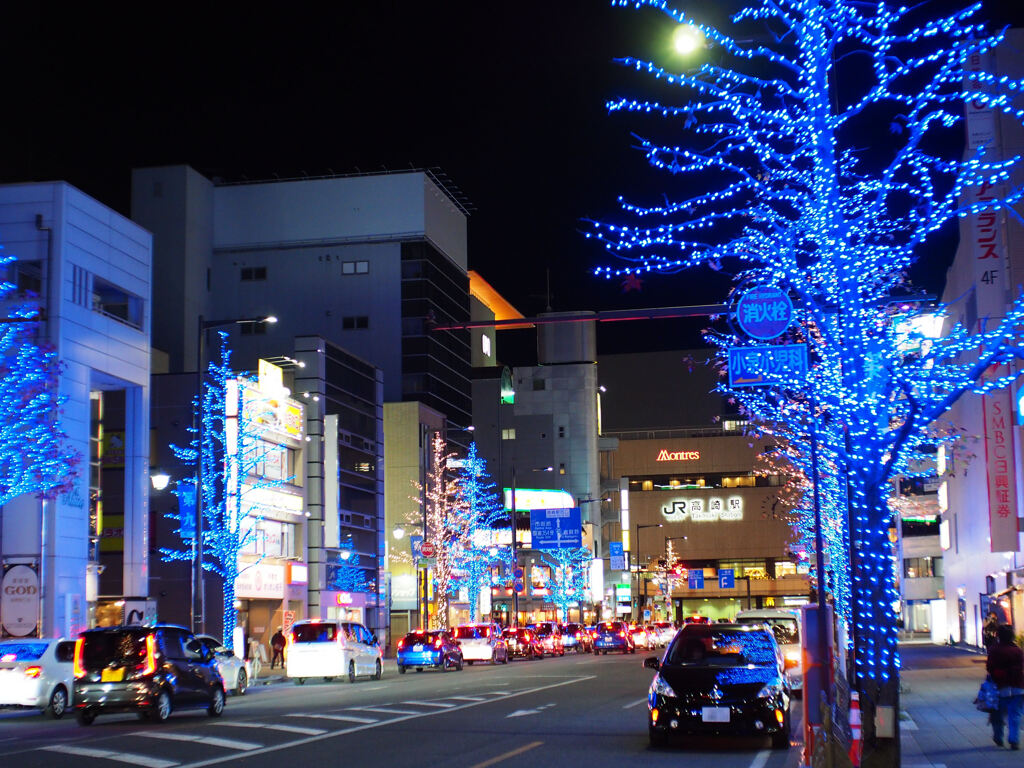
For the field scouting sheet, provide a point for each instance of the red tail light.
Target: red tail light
(79, 653)
(622, 634)
(33, 672)
(437, 643)
(149, 667)
(401, 644)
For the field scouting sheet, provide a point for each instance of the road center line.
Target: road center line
(106, 754)
(501, 758)
(760, 759)
(392, 721)
(635, 703)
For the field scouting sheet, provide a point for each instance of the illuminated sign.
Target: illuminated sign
(533, 498)
(704, 509)
(666, 455)
(298, 573)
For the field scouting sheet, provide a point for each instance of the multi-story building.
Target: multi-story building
(91, 269)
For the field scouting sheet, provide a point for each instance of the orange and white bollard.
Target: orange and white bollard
(855, 736)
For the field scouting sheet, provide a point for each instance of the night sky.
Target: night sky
(506, 99)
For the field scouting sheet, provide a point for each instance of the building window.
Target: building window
(26, 276)
(112, 301)
(539, 384)
(508, 434)
(254, 273)
(355, 267)
(922, 567)
(561, 469)
(561, 431)
(485, 345)
(357, 323)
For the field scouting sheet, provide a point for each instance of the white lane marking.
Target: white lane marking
(213, 741)
(345, 718)
(357, 728)
(429, 704)
(760, 759)
(272, 727)
(468, 698)
(635, 703)
(106, 754)
(385, 710)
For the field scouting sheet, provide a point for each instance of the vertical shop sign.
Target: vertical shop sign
(19, 600)
(997, 408)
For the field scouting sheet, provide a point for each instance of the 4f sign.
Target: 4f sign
(764, 312)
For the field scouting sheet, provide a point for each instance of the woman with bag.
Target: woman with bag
(1006, 667)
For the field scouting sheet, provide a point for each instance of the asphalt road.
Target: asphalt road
(585, 709)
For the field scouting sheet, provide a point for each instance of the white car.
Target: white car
(786, 626)
(482, 642)
(329, 649)
(234, 670)
(665, 631)
(37, 673)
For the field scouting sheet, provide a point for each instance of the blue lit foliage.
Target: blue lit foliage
(346, 575)
(476, 515)
(231, 449)
(570, 569)
(33, 455)
(797, 188)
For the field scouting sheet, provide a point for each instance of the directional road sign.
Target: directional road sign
(696, 579)
(616, 556)
(556, 528)
(726, 578)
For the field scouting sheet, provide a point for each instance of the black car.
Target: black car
(522, 643)
(147, 670)
(720, 679)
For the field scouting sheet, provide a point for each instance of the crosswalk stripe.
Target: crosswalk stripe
(213, 741)
(468, 698)
(342, 718)
(384, 711)
(106, 754)
(272, 727)
(429, 704)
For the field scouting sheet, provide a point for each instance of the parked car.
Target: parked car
(550, 637)
(522, 643)
(482, 642)
(613, 636)
(429, 648)
(234, 670)
(37, 674)
(720, 679)
(577, 637)
(329, 649)
(147, 670)
(786, 626)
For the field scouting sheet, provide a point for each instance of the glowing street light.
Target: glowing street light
(687, 39)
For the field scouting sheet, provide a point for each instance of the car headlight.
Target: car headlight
(659, 686)
(769, 690)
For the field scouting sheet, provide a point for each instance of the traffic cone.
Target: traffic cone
(855, 737)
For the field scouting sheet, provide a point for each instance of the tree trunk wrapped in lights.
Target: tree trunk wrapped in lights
(813, 135)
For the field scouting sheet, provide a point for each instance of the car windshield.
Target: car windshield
(723, 648)
(314, 633)
(787, 630)
(609, 626)
(472, 633)
(113, 649)
(21, 651)
(572, 628)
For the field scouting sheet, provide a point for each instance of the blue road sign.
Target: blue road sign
(764, 312)
(696, 579)
(616, 556)
(726, 578)
(415, 543)
(761, 366)
(556, 528)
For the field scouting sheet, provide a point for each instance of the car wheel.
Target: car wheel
(401, 669)
(241, 683)
(216, 708)
(351, 671)
(328, 679)
(58, 702)
(378, 670)
(458, 665)
(85, 716)
(780, 740)
(162, 707)
(300, 681)
(504, 659)
(656, 737)
(470, 662)
(419, 669)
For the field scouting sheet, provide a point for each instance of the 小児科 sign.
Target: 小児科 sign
(765, 365)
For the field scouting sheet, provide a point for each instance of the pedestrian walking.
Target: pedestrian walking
(988, 630)
(1006, 666)
(277, 646)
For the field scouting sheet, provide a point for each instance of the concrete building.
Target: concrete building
(92, 271)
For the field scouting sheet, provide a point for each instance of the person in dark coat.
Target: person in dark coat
(277, 643)
(1006, 667)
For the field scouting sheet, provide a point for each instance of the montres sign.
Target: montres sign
(666, 455)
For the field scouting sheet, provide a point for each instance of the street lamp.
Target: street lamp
(198, 596)
(636, 540)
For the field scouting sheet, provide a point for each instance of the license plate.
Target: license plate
(715, 714)
(418, 647)
(112, 675)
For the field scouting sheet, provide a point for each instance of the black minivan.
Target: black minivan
(147, 670)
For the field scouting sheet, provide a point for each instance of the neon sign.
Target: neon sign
(704, 509)
(666, 455)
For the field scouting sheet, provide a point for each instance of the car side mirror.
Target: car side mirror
(651, 662)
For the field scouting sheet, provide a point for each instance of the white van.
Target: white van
(330, 649)
(786, 626)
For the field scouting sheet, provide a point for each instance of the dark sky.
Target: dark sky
(506, 98)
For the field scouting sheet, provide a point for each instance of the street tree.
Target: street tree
(809, 152)
(570, 576)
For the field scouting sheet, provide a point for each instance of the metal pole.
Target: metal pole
(198, 606)
(515, 551)
(819, 558)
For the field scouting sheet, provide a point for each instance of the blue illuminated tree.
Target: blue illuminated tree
(477, 514)
(34, 457)
(346, 575)
(230, 447)
(570, 576)
(785, 179)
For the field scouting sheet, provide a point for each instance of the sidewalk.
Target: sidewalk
(939, 726)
